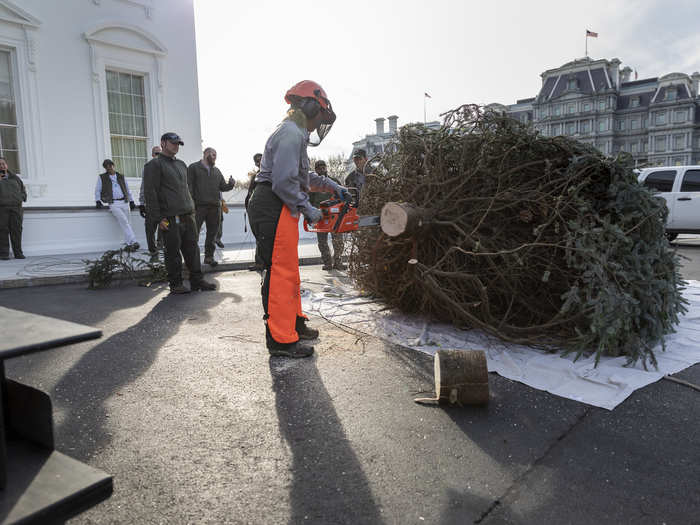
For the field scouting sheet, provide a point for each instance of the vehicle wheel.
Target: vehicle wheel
(671, 236)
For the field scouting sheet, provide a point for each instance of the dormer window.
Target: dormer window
(573, 83)
(671, 93)
(634, 102)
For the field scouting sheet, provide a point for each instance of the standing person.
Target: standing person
(316, 198)
(168, 199)
(257, 158)
(206, 184)
(356, 178)
(150, 223)
(12, 195)
(279, 198)
(251, 177)
(113, 189)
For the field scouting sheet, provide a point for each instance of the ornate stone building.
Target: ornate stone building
(656, 120)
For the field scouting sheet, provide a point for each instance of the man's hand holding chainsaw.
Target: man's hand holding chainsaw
(313, 214)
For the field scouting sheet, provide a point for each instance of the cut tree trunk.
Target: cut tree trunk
(461, 376)
(398, 218)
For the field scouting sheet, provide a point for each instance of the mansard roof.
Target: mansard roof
(623, 101)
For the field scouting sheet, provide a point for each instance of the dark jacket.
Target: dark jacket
(106, 191)
(251, 187)
(12, 191)
(166, 191)
(206, 187)
(317, 197)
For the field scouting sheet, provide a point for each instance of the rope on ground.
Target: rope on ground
(682, 382)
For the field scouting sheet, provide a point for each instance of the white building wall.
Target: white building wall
(61, 54)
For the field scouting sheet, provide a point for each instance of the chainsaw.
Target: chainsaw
(340, 217)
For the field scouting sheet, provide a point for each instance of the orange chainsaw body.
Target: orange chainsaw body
(338, 217)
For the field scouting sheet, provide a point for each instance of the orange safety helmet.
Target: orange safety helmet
(310, 97)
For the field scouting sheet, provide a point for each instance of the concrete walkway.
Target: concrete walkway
(71, 268)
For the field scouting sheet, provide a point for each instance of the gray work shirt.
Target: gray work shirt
(285, 164)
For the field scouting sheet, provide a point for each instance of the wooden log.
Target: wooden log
(461, 376)
(397, 218)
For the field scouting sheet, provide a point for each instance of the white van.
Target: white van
(680, 186)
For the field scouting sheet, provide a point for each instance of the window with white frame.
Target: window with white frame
(127, 122)
(621, 125)
(660, 143)
(634, 102)
(660, 118)
(573, 83)
(601, 104)
(9, 146)
(645, 146)
(678, 161)
(671, 93)
(634, 123)
(678, 141)
(602, 125)
(557, 110)
(555, 130)
(571, 108)
(633, 147)
(586, 106)
(585, 126)
(570, 128)
(644, 123)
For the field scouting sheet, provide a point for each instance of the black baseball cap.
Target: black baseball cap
(359, 153)
(172, 137)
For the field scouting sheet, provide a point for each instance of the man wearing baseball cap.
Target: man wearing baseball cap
(168, 200)
(356, 179)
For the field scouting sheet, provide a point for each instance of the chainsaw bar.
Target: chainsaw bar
(368, 220)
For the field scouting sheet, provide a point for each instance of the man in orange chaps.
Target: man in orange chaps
(279, 199)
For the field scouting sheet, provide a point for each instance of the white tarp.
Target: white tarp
(605, 386)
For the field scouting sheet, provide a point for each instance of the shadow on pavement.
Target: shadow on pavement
(74, 302)
(102, 371)
(328, 484)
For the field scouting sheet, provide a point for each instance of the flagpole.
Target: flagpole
(424, 106)
(586, 43)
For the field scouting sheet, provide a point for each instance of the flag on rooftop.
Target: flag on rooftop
(591, 34)
(427, 95)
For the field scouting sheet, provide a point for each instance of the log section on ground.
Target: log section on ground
(536, 240)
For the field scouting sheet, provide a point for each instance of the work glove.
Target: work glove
(132, 206)
(312, 215)
(345, 195)
(99, 205)
(342, 192)
(142, 211)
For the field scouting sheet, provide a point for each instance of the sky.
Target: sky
(377, 58)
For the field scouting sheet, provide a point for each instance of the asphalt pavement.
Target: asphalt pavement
(181, 403)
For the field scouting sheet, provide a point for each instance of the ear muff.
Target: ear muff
(310, 107)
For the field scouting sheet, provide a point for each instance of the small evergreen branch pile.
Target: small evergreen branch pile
(121, 263)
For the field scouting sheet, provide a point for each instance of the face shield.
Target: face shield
(327, 120)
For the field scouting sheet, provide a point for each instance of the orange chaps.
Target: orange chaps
(277, 235)
(284, 301)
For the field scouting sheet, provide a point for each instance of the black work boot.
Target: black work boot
(305, 332)
(204, 286)
(295, 350)
(178, 288)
